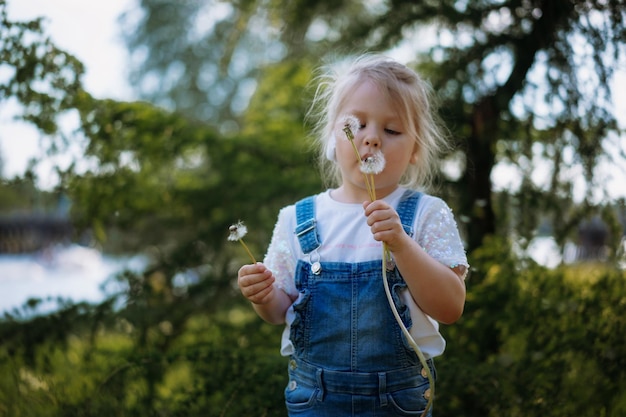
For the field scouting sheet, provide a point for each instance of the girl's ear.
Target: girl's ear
(414, 155)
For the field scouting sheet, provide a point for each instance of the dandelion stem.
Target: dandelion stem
(247, 250)
(406, 332)
(369, 182)
(371, 186)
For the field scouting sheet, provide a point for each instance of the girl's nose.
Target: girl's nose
(371, 137)
(372, 140)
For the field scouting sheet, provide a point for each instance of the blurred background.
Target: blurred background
(53, 266)
(134, 132)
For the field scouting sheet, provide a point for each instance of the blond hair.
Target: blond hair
(413, 100)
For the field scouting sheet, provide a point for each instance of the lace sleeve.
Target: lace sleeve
(280, 258)
(439, 236)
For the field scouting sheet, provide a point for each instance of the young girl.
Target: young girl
(322, 275)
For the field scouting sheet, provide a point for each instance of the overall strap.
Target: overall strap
(407, 207)
(305, 229)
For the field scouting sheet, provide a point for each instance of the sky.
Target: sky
(89, 30)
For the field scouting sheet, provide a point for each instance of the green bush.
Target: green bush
(226, 365)
(532, 342)
(536, 341)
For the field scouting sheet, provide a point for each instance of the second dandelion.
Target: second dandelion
(236, 233)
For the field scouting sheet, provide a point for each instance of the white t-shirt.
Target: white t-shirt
(345, 237)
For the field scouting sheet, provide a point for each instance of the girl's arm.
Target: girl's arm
(436, 288)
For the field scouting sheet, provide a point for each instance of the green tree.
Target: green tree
(519, 80)
(42, 78)
(167, 185)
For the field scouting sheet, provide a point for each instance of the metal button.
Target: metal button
(292, 385)
(316, 268)
(424, 373)
(427, 394)
(292, 364)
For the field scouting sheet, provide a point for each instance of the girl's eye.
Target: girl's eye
(392, 132)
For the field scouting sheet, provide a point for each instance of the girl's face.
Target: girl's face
(381, 130)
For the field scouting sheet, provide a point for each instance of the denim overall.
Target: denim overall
(350, 356)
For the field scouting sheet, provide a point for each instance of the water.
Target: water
(71, 272)
(79, 274)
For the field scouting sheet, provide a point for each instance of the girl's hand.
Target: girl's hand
(255, 283)
(385, 224)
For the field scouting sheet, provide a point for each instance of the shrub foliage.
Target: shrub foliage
(532, 342)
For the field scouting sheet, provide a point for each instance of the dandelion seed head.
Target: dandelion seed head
(373, 164)
(351, 125)
(237, 231)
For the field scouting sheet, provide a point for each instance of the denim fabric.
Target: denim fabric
(305, 230)
(317, 392)
(351, 358)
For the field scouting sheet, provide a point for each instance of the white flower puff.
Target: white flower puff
(237, 231)
(351, 125)
(373, 164)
